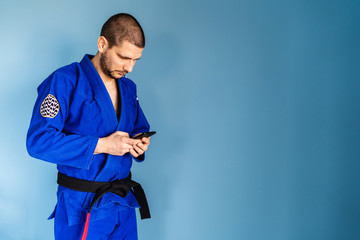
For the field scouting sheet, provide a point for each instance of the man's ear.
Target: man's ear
(103, 44)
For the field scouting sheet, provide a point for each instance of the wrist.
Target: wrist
(101, 146)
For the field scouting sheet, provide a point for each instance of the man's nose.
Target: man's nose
(129, 66)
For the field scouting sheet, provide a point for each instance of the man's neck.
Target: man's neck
(96, 62)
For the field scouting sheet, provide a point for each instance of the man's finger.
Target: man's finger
(135, 154)
(132, 141)
(146, 140)
(138, 150)
(143, 146)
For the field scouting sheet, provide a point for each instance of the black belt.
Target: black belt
(120, 187)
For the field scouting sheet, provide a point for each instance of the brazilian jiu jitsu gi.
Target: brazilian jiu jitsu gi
(73, 110)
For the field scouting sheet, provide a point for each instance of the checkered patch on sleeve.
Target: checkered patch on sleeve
(49, 107)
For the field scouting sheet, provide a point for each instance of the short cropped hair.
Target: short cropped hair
(121, 27)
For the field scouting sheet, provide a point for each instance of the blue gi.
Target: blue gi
(73, 110)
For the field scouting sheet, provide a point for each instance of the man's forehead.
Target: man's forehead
(128, 49)
(127, 44)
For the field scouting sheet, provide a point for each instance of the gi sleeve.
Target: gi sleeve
(45, 139)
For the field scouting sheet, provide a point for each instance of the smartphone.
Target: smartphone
(145, 134)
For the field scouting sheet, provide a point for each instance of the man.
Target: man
(84, 119)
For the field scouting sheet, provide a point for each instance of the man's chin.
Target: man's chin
(117, 75)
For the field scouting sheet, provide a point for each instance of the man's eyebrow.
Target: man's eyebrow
(127, 57)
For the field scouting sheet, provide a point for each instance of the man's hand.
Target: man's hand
(117, 144)
(140, 147)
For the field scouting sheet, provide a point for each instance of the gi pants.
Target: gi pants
(121, 225)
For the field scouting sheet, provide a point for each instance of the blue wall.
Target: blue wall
(256, 104)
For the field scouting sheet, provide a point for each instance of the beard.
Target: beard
(105, 67)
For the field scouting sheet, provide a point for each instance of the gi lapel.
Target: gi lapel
(102, 96)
